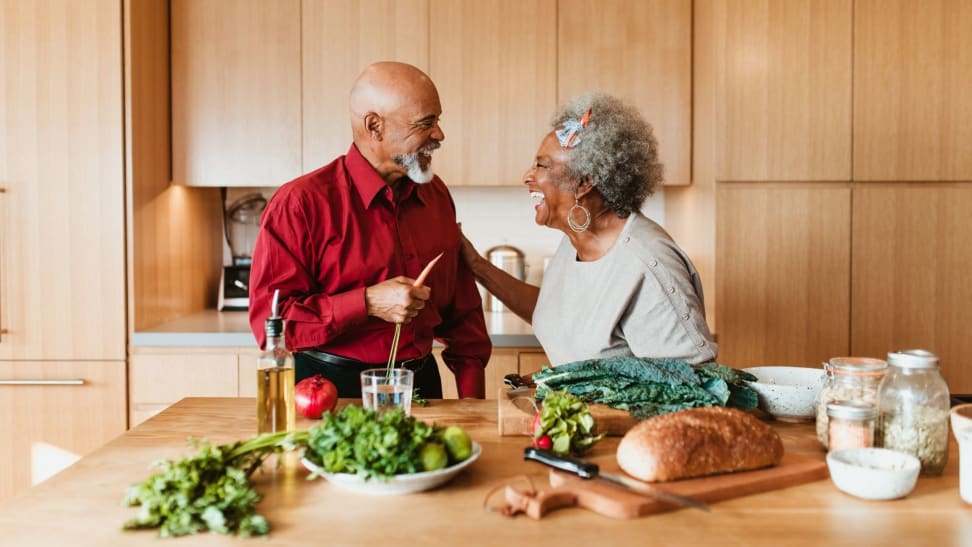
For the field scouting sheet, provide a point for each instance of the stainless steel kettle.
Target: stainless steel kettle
(512, 261)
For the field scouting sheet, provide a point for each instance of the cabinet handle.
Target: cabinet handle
(67, 382)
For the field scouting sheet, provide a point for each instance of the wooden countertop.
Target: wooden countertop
(82, 505)
(211, 328)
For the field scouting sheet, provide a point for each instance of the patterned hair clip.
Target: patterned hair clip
(569, 134)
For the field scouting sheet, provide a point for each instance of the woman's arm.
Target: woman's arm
(520, 297)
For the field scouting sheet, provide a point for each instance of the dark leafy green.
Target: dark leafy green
(649, 387)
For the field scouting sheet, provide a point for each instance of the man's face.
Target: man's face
(412, 133)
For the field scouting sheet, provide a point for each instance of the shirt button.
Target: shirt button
(685, 316)
(671, 290)
(653, 263)
(627, 239)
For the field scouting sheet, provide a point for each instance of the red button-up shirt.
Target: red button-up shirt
(331, 233)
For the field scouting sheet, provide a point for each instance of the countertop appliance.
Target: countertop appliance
(512, 261)
(241, 223)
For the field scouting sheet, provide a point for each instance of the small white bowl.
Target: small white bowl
(788, 393)
(873, 473)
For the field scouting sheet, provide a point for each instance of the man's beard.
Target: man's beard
(414, 166)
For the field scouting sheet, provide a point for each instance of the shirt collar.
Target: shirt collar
(369, 183)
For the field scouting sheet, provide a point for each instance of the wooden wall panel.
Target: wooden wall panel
(236, 92)
(784, 90)
(783, 255)
(175, 233)
(911, 274)
(641, 51)
(339, 39)
(62, 222)
(495, 65)
(912, 90)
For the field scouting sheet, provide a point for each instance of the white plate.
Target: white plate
(399, 484)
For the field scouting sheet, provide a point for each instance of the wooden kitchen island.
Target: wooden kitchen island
(83, 504)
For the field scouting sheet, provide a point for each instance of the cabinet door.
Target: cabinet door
(55, 412)
(785, 90)
(339, 39)
(912, 90)
(62, 264)
(495, 65)
(159, 377)
(235, 92)
(641, 51)
(782, 274)
(532, 361)
(911, 272)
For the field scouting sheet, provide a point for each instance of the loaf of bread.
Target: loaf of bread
(697, 442)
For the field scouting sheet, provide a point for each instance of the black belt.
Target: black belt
(414, 365)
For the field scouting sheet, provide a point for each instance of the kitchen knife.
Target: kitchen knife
(587, 470)
(520, 394)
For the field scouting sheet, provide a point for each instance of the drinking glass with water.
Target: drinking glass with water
(383, 388)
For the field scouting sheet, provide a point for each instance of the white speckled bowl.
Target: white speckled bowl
(788, 393)
(873, 473)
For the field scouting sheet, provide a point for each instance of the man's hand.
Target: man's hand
(396, 300)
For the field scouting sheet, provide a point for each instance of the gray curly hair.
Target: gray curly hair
(617, 151)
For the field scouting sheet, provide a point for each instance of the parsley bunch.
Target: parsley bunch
(375, 445)
(209, 490)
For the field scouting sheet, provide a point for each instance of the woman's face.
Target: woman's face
(542, 179)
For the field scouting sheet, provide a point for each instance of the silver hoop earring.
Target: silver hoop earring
(570, 220)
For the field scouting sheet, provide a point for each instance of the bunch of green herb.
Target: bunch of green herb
(649, 387)
(374, 445)
(209, 490)
(567, 420)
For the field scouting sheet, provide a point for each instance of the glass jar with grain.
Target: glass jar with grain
(851, 424)
(913, 405)
(848, 379)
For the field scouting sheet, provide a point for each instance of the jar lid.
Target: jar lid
(913, 358)
(854, 410)
(856, 364)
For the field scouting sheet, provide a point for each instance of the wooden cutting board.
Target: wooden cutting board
(569, 490)
(516, 421)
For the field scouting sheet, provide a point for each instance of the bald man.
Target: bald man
(344, 244)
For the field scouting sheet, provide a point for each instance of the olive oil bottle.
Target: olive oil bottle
(275, 379)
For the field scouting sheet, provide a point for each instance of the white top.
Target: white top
(643, 298)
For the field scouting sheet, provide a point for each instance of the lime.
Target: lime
(457, 442)
(433, 456)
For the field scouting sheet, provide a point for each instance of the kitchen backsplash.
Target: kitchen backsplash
(497, 216)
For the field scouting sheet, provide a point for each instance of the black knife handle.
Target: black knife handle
(581, 468)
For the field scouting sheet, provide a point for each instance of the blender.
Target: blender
(241, 223)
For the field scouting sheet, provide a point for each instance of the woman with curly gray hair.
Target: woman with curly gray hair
(618, 284)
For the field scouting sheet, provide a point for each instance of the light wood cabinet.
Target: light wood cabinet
(55, 412)
(161, 376)
(783, 258)
(784, 90)
(236, 92)
(640, 51)
(910, 275)
(62, 208)
(339, 39)
(158, 377)
(912, 82)
(495, 64)
(532, 361)
(62, 235)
